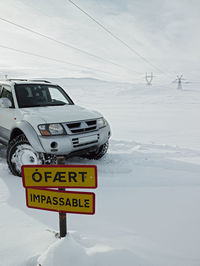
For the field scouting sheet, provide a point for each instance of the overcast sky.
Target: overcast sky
(164, 32)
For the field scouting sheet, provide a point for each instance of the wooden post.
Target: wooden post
(62, 215)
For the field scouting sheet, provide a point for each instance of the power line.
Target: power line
(52, 59)
(66, 44)
(116, 37)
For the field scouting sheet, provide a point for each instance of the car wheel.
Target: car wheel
(100, 153)
(20, 152)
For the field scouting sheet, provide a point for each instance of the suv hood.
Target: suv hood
(59, 114)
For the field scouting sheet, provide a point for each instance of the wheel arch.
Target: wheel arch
(15, 132)
(28, 131)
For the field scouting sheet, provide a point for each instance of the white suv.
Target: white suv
(39, 121)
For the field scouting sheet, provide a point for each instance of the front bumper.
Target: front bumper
(73, 144)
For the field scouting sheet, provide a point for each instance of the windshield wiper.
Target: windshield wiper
(56, 104)
(45, 105)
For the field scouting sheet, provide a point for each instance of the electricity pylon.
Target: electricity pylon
(179, 79)
(149, 79)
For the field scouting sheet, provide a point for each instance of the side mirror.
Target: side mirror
(5, 103)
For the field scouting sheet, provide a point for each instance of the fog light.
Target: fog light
(54, 145)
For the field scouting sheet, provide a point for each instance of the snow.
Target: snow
(147, 200)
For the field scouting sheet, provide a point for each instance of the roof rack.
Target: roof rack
(17, 79)
(39, 80)
(34, 80)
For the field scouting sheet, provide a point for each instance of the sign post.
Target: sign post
(45, 189)
(62, 215)
(62, 222)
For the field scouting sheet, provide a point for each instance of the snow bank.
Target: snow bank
(62, 252)
(68, 251)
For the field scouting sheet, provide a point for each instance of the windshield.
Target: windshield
(33, 95)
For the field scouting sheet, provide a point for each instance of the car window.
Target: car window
(56, 95)
(7, 94)
(33, 95)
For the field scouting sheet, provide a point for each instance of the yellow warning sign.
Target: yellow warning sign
(59, 176)
(61, 201)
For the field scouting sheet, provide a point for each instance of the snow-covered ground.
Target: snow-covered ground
(147, 202)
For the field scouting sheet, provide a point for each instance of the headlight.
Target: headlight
(51, 129)
(101, 122)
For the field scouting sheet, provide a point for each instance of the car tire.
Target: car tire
(99, 154)
(20, 152)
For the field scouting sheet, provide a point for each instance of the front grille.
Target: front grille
(91, 123)
(76, 131)
(81, 127)
(74, 125)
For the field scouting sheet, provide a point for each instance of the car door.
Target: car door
(7, 115)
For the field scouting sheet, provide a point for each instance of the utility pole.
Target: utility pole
(179, 79)
(149, 79)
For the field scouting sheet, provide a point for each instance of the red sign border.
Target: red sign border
(57, 166)
(70, 192)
